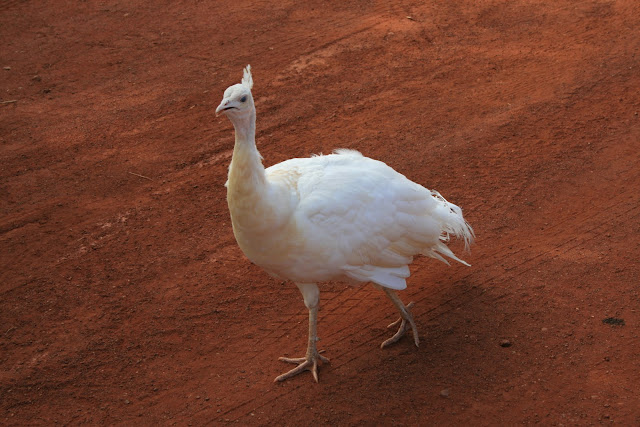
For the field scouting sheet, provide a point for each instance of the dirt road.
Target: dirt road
(124, 298)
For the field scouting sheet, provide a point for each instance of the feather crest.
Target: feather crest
(247, 79)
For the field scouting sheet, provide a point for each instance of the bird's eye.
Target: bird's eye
(243, 99)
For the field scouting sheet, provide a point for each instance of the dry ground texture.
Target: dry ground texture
(124, 298)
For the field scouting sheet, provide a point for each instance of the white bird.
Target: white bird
(341, 216)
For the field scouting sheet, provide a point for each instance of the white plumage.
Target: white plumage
(337, 217)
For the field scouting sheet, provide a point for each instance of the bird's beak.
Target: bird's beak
(222, 106)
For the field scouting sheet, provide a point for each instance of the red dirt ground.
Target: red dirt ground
(124, 298)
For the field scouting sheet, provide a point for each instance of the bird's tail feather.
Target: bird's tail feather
(452, 223)
(441, 248)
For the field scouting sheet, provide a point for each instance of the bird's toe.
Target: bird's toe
(308, 363)
(294, 360)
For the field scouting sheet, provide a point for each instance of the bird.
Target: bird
(336, 217)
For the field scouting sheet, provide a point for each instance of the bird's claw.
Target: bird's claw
(307, 363)
(404, 326)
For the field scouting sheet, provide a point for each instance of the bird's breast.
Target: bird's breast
(277, 251)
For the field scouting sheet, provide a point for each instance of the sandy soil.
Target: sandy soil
(124, 298)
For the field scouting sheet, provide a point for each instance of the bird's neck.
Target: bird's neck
(247, 188)
(246, 173)
(245, 129)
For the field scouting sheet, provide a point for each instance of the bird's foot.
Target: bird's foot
(307, 363)
(404, 322)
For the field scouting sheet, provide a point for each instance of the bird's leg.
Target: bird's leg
(405, 320)
(310, 293)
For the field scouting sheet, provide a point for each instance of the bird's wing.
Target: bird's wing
(360, 216)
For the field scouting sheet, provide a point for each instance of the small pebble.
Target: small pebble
(505, 343)
(444, 392)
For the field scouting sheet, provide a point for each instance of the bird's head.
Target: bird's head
(237, 100)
